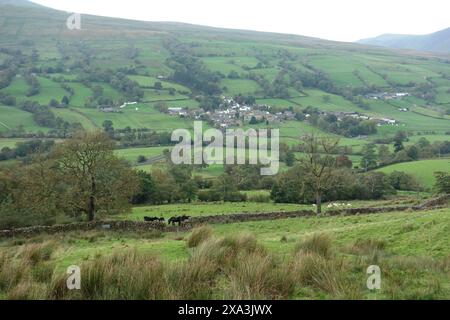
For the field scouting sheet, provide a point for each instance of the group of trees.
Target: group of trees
(442, 184)
(78, 178)
(24, 150)
(173, 185)
(7, 99)
(178, 184)
(190, 71)
(33, 85)
(321, 176)
(128, 137)
(44, 117)
(299, 186)
(278, 88)
(373, 156)
(347, 126)
(81, 178)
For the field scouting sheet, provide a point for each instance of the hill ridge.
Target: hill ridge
(436, 42)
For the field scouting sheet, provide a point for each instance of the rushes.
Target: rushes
(35, 253)
(199, 235)
(319, 244)
(227, 267)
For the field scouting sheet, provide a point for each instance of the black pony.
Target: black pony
(150, 219)
(179, 220)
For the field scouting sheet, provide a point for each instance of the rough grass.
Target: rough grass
(319, 244)
(319, 258)
(199, 235)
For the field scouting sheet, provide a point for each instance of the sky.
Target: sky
(340, 20)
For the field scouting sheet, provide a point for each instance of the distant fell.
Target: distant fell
(434, 42)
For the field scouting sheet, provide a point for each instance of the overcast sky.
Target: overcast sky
(342, 20)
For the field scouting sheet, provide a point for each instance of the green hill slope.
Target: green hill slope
(423, 170)
(91, 67)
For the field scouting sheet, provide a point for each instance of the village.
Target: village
(232, 114)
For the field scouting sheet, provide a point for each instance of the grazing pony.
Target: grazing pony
(150, 219)
(179, 220)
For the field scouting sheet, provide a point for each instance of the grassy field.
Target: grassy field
(411, 249)
(150, 82)
(11, 118)
(207, 209)
(132, 154)
(244, 87)
(81, 94)
(220, 208)
(145, 117)
(422, 170)
(10, 143)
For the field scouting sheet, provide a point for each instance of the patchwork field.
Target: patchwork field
(422, 170)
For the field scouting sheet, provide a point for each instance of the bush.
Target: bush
(141, 159)
(209, 196)
(403, 181)
(235, 197)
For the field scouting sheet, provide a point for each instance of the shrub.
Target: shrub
(235, 197)
(209, 196)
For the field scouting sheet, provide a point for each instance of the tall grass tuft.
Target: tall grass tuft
(35, 253)
(259, 276)
(321, 273)
(123, 276)
(319, 244)
(199, 235)
(370, 249)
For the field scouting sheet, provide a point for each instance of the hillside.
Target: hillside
(162, 65)
(435, 42)
(422, 170)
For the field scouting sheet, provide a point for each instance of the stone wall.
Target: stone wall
(440, 201)
(133, 226)
(138, 226)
